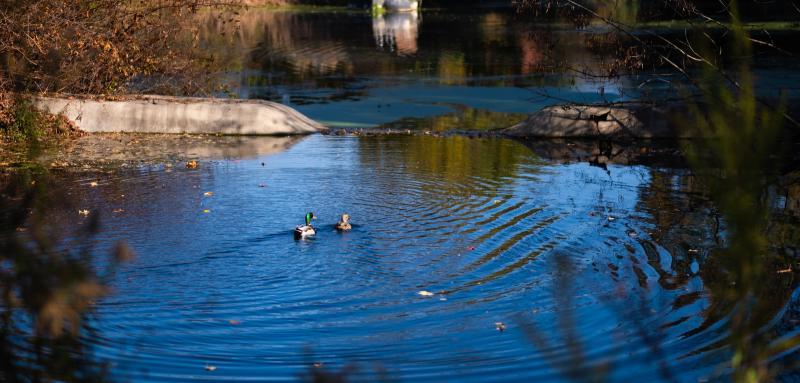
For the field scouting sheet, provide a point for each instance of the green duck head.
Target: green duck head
(309, 217)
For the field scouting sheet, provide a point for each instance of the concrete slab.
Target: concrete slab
(162, 114)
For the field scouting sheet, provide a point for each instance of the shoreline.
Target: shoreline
(91, 152)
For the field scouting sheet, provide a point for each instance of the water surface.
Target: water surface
(590, 265)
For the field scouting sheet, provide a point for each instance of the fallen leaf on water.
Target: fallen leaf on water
(208, 194)
(83, 212)
(496, 201)
(191, 164)
(206, 211)
(234, 322)
(500, 326)
(211, 368)
(93, 184)
(426, 293)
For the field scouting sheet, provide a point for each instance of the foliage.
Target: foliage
(47, 288)
(738, 165)
(25, 122)
(22, 122)
(101, 46)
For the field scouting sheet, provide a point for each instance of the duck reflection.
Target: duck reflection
(397, 32)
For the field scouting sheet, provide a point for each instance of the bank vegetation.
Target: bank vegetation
(101, 47)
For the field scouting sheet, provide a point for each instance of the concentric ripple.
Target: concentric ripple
(581, 267)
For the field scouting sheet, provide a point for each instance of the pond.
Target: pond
(588, 267)
(470, 259)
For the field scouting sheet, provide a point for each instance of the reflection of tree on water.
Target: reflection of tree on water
(474, 119)
(457, 159)
(397, 31)
(272, 48)
(691, 250)
(48, 288)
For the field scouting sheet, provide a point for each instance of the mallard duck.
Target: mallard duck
(306, 230)
(344, 223)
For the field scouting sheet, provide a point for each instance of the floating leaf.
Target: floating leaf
(208, 194)
(93, 184)
(83, 212)
(426, 293)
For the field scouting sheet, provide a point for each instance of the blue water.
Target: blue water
(597, 269)
(588, 268)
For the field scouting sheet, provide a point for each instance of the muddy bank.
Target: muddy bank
(160, 114)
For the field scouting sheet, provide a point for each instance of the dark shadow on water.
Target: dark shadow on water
(48, 285)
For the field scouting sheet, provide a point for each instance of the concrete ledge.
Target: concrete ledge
(161, 114)
(588, 121)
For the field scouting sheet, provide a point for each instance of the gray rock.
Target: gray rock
(566, 121)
